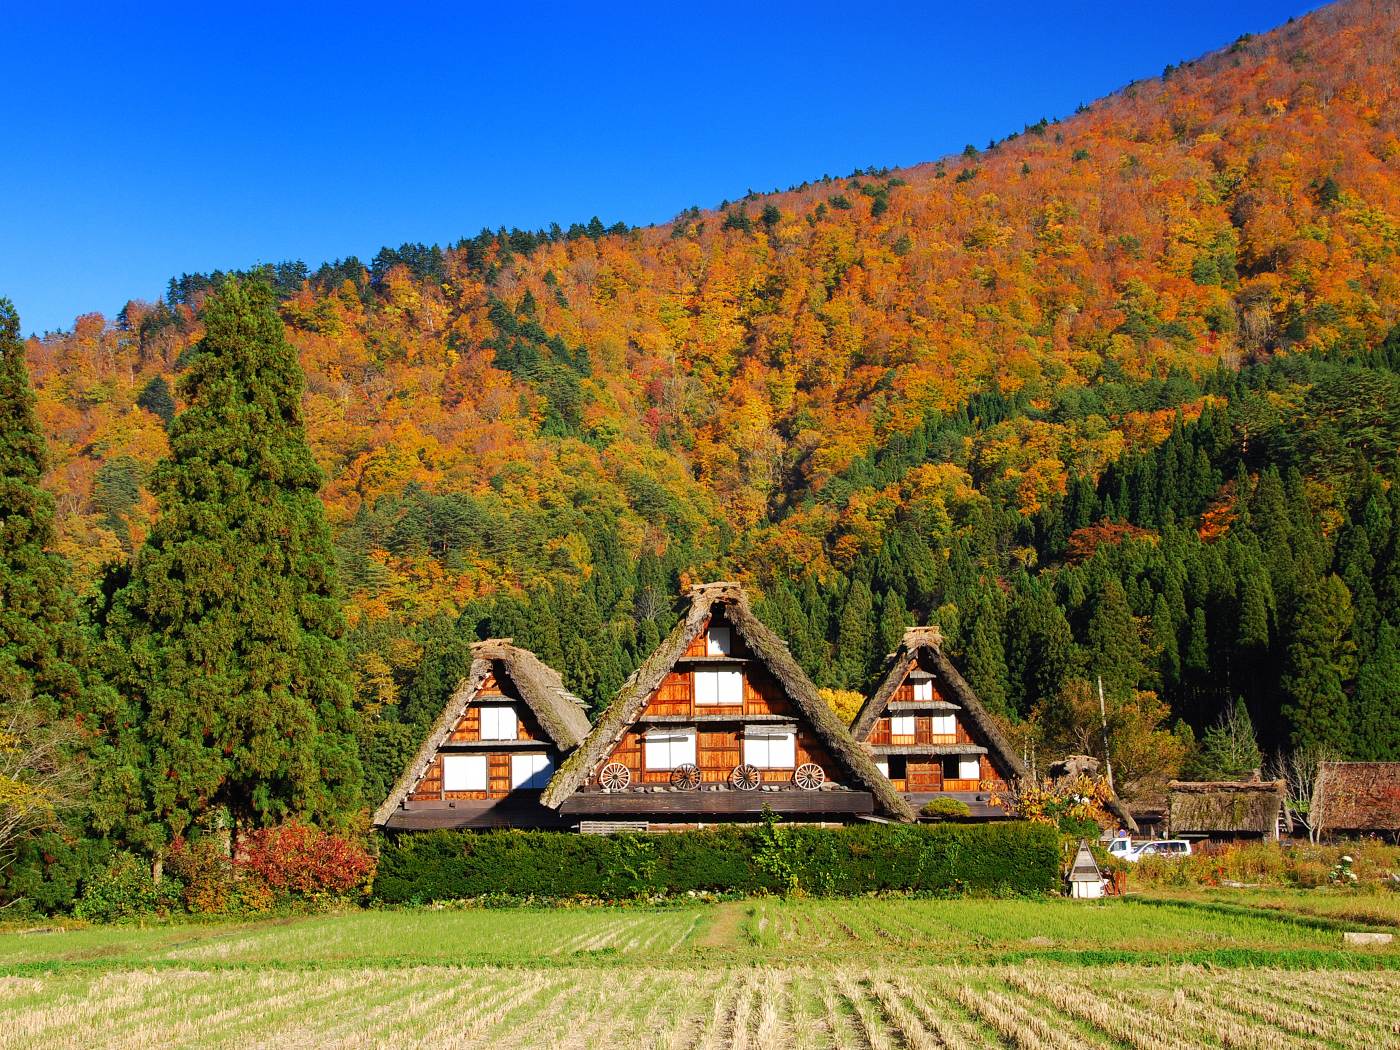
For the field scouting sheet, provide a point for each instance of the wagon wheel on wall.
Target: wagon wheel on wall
(686, 776)
(809, 776)
(745, 777)
(614, 776)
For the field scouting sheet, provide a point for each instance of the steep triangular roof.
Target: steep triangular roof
(929, 641)
(1357, 796)
(770, 650)
(559, 712)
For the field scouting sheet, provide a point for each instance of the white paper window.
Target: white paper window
(719, 687)
(464, 772)
(902, 725)
(669, 750)
(883, 765)
(717, 641)
(530, 771)
(499, 723)
(945, 725)
(923, 690)
(771, 749)
(969, 769)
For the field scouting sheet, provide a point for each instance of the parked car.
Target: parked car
(1121, 847)
(1160, 848)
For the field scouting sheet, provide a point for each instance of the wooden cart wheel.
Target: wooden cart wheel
(686, 776)
(809, 776)
(745, 777)
(614, 776)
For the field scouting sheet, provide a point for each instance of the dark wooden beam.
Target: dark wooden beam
(726, 802)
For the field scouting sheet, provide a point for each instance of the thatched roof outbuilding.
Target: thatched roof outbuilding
(768, 648)
(1228, 808)
(1361, 797)
(559, 712)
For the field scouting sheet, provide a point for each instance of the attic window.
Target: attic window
(717, 641)
(463, 772)
(945, 725)
(718, 687)
(770, 747)
(902, 725)
(498, 722)
(667, 749)
(923, 689)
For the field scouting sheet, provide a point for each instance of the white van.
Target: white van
(1160, 848)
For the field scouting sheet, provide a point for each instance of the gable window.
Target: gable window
(669, 748)
(945, 725)
(530, 772)
(498, 722)
(464, 772)
(923, 690)
(717, 642)
(719, 687)
(770, 748)
(902, 725)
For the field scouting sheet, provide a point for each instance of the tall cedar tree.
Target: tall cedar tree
(39, 644)
(228, 639)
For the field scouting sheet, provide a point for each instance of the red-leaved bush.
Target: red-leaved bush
(298, 860)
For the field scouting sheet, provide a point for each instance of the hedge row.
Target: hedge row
(864, 858)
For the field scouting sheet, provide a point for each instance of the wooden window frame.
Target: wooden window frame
(495, 710)
(768, 736)
(717, 676)
(467, 763)
(670, 735)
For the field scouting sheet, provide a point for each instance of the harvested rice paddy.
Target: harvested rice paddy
(769, 973)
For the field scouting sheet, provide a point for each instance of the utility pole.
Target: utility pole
(1103, 719)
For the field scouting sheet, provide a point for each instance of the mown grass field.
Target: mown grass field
(1244, 972)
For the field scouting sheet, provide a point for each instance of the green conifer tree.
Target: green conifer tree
(1376, 706)
(1316, 669)
(40, 648)
(1113, 642)
(227, 643)
(855, 635)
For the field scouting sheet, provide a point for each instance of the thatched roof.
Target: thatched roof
(928, 641)
(560, 714)
(1357, 796)
(1226, 807)
(771, 651)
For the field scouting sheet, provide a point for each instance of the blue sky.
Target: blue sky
(158, 140)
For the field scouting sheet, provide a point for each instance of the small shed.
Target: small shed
(1228, 810)
(1085, 879)
(1357, 798)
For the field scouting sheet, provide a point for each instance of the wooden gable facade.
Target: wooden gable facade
(717, 725)
(503, 733)
(929, 734)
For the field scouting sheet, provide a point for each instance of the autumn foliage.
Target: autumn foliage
(296, 860)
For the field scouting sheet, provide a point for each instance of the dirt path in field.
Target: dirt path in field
(725, 921)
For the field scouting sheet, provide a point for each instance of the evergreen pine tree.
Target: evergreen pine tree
(1316, 669)
(1229, 750)
(227, 643)
(1376, 706)
(855, 635)
(155, 397)
(985, 659)
(39, 645)
(894, 618)
(1113, 642)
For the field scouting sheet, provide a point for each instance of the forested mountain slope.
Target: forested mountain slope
(1115, 395)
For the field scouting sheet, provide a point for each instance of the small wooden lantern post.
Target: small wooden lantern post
(1085, 879)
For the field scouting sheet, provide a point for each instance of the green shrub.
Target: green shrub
(764, 858)
(944, 808)
(124, 889)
